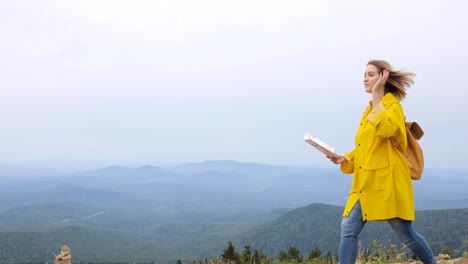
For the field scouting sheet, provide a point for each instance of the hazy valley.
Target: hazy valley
(191, 210)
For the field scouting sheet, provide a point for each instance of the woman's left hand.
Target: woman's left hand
(379, 86)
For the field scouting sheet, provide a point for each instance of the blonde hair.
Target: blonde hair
(398, 81)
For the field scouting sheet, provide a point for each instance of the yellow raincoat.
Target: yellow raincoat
(381, 179)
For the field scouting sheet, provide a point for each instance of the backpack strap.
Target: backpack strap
(398, 147)
(414, 127)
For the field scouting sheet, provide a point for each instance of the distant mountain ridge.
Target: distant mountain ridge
(196, 207)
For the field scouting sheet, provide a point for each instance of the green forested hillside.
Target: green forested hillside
(304, 228)
(318, 225)
(86, 244)
(444, 227)
(163, 244)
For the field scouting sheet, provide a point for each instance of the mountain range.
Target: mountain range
(192, 209)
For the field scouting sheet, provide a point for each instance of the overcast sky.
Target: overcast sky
(157, 82)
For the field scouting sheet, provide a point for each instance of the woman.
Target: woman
(382, 188)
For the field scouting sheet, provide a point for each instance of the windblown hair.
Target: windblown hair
(398, 81)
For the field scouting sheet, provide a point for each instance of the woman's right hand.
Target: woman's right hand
(337, 160)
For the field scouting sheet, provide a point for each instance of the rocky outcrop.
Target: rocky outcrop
(64, 257)
(446, 259)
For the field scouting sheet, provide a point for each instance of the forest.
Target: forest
(288, 236)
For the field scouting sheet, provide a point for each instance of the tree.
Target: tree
(283, 256)
(294, 255)
(246, 255)
(315, 253)
(230, 254)
(329, 257)
(257, 257)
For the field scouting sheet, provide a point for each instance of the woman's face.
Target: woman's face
(371, 76)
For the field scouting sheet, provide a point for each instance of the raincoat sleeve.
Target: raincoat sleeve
(348, 167)
(387, 121)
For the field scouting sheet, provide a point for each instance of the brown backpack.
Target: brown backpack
(413, 153)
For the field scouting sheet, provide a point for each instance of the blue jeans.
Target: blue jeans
(352, 225)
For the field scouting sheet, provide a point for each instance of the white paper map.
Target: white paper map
(320, 145)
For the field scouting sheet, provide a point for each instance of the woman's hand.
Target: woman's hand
(337, 160)
(379, 86)
(378, 90)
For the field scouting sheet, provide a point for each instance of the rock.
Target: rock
(443, 257)
(452, 261)
(64, 257)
